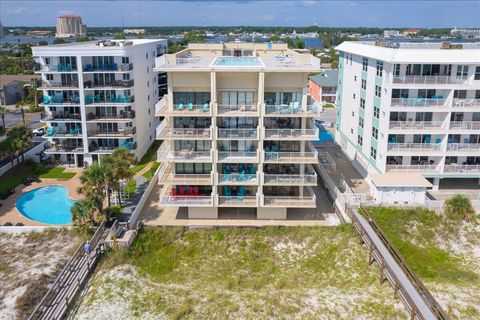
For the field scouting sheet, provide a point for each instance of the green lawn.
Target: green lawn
(17, 174)
(266, 273)
(329, 106)
(147, 157)
(149, 174)
(57, 173)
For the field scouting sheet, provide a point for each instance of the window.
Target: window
(354, 96)
(365, 64)
(47, 61)
(146, 55)
(125, 60)
(378, 91)
(360, 140)
(379, 68)
(351, 131)
(360, 122)
(460, 94)
(354, 78)
(396, 70)
(49, 77)
(375, 133)
(376, 112)
(477, 73)
(353, 114)
(362, 103)
(364, 84)
(462, 70)
(126, 76)
(399, 93)
(373, 153)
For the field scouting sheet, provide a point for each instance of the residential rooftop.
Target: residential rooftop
(408, 52)
(329, 78)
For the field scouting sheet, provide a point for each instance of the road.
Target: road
(14, 118)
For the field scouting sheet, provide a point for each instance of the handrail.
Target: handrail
(425, 294)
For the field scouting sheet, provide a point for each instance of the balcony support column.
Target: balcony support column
(214, 106)
(170, 91)
(436, 184)
(83, 110)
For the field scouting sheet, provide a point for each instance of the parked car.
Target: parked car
(40, 131)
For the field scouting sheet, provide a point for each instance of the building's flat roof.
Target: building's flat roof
(414, 52)
(399, 179)
(329, 78)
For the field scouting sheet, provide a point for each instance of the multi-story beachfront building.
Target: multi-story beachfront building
(237, 128)
(98, 96)
(70, 26)
(411, 107)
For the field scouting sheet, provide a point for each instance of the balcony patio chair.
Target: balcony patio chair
(196, 191)
(46, 99)
(68, 67)
(59, 67)
(114, 67)
(227, 177)
(50, 131)
(204, 107)
(466, 141)
(190, 106)
(105, 66)
(88, 67)
(227, 193)
(296, 107)
(427, 140)
(179, 106)
(97, 98)
(241, 177)
(241, 193)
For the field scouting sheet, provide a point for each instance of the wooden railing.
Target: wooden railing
(59, 298)
(386, 269)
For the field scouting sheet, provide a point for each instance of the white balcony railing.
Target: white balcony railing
(413, 168)
(251, 133)
(167, 176)
(463, 147)
(465, 125)
(187, 201)
(467, 168)
(289, 179)
(237, 201)
(240, 156)
(413, 147)
(413, 125)
(237, 179)
(291, 157)
(225, 109)
(429, 80)
(308, 201)
(184, 133)
(466, 103)
(418, 102)
(292, 109)
(291, 134)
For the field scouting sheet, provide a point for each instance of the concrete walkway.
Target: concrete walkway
(130, 204)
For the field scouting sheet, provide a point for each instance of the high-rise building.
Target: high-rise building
(237, 125)
(1, 30)
(70, 26)
(98, 96)
(411, 107)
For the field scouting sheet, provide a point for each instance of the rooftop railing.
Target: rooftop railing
(441, 79)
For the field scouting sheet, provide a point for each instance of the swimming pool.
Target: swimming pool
(237, 61)
(325, 136)
(49, 204)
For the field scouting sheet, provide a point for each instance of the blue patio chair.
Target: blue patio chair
(126, 99)
(75, 99)
(438, 141)
(251, 148)
(252, 170)
(466, 140)
(190, 106)
(274, 148)
(59, 67)
(180, 106)
(426, 139)
(46, 99)
(204, 108)
(227, 193)
(241, 177)
(88, 67)
(227, 177)
(241, 193)
(314, 107)
(89, 99)
(68, 67)
(50, 131)
(114, 66)
(105, 66)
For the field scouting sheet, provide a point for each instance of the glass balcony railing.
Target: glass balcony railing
(465, 125)
(413, 168)
(463, 147)
(466, 103)
(237, 201)
(237, 179)
(54, 100)
(414, 125)
(291, 134)
(441, 79)
(108, 67)
(418, 102)
(90, 99)
(48, 85)
(292, 109)
(241, 109)
(110, 84)
(121, 116)
(412, 147)
(306, 201)
(250, 133)
(237, 156)
(60, 116)
(462, 169)
(291, 157)
(121, 132)
(58, 148)
(289, 179)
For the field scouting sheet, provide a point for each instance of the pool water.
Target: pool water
(49, 205)
(237, 61)
(325, 136)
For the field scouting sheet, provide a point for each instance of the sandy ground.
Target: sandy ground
(28, 264)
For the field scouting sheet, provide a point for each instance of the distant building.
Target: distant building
(391, 33)
(1, 30)
(70, 26)
(466, 33)
(17, 31)
(134, 31)
(323, 87)
(39, 33)
(11, 88)
(411, 32)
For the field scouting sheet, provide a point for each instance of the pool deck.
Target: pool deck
(9, 212)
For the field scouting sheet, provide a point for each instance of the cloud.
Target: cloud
(268, 17)
(19, 10)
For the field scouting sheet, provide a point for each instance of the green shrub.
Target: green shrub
(329, 106)
(29, 162)
(38, 168)
(113, 211)
(459, 207)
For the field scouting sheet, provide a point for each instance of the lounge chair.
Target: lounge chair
(180, 106)
(190, 106)
(204, 107)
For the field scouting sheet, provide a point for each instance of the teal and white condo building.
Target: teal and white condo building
(411, 108)
(98, 96)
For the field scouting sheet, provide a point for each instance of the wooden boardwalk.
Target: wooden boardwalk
(61, 295)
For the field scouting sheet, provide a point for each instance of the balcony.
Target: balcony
(59, 117)
(59, 100)
(88, 85)
(168, 197)
(168, 176)
(58, 85)
(58, 148)
(420, 168)
(237, 201)
(123, 116)
(291, 134)
(308, 200)
(418, 103)
(467, 169)
(63, 68)
(292, 110)
(63, 133)
(307, 179)
(185, 134)
(466, 103)
(120, 133)
(187, 155)
(237, 134)
(430, 80)
(465, 125)
(414, 147)
(163, 109)
(464, 147)
(416, 125)
(94, 101)
(238, 156)
(310, 156)
(114, 67)
(240, 179)
(238, 110)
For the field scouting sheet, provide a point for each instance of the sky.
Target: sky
(424, 14)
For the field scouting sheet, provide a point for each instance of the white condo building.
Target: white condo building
(237, 126)
(98, 96)
(411, 108)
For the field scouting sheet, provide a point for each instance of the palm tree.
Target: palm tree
(119, 163)
(2, 113)
(94, 184)
(18, 140)
(84, 214)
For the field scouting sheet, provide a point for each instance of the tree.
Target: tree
(18, 140)
(299, 43)
(94, 184)
(275, 38)
(117, 168)
(2, 114)
(84, 214)
(459, 207)
(59, 41)
(289, 42)
(120, 36)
